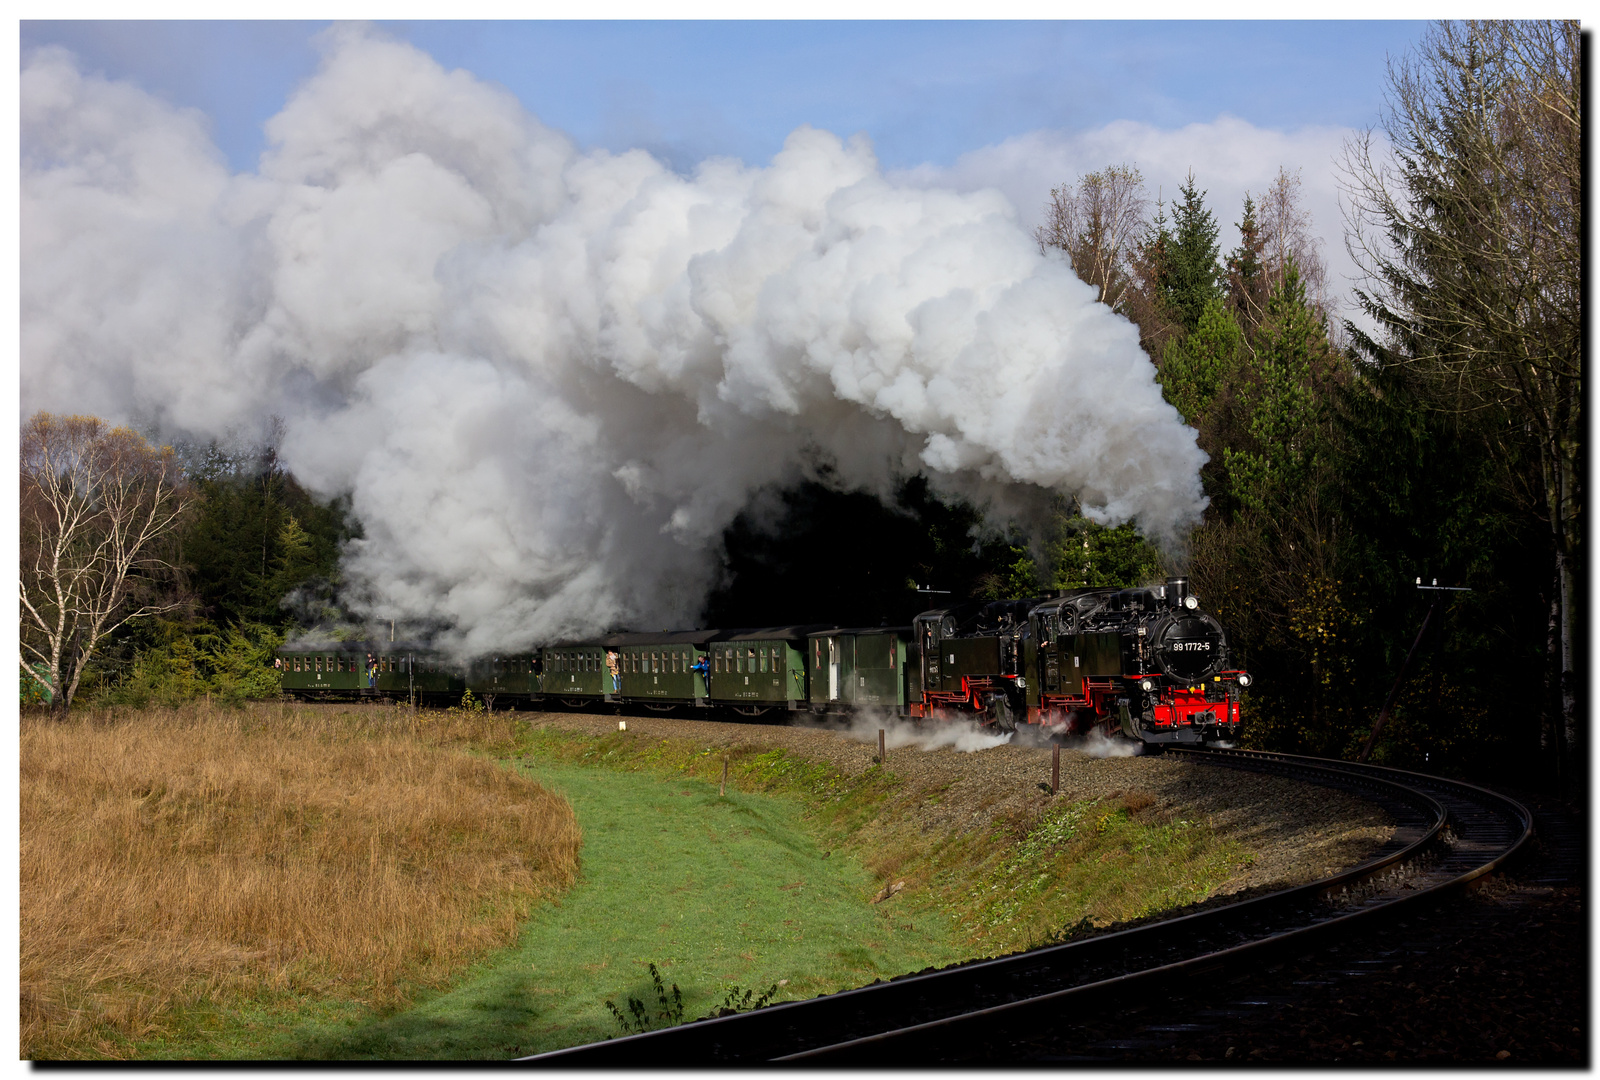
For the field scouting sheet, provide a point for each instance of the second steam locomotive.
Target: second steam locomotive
(1146, 663)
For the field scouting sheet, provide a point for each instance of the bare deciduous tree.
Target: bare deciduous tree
(1096, 224)
(98, 505)
(1287, 234)
(1469, 227)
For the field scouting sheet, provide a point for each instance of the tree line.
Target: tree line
(157, 574)
(1431, 436)
(1431, 433)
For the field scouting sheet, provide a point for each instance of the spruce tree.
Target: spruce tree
(1247, 277)
(1191, 272)
(1193, 367)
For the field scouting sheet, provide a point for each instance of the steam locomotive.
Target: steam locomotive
(1144, 663)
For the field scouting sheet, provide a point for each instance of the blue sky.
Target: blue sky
(925, 92)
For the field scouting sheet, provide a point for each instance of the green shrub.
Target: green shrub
(194, 660)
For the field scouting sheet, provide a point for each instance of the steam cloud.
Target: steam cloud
(550, 378)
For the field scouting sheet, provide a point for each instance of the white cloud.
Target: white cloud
(1229, 157)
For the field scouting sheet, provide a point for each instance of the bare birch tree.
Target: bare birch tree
(1468, 224)
(98, 505)
(1096, 224)
(1287, 234)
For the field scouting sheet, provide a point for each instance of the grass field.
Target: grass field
(171, 859)
(772, 883)
(718, 892)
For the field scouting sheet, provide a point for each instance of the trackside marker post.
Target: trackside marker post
(723, 790)
(881, 756)
(1055, 769)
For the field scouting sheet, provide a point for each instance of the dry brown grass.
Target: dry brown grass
(170, 856)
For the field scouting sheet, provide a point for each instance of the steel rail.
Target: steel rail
(917, 1008)
(1454, 872)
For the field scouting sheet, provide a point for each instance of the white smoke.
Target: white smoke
(549, 379)
(863, 725)
(1097, 744)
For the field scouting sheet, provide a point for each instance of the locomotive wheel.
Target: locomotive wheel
(997, 714)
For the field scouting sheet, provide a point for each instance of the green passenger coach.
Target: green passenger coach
(577, 673)
(865, 668)
(659, 670)
(367, 669)
(510, 679)
(759, 670)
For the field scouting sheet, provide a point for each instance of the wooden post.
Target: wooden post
(882, 756)
(1055, 768)
(723, 790)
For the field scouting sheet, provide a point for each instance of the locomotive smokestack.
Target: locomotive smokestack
(1177, 590)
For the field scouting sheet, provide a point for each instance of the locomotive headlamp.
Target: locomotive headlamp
(1191, 602)
(1244, 679)
(1147, 685)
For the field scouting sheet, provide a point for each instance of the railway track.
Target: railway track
(1448, 835)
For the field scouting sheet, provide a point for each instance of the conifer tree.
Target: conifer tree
(1247, 279)
(1194, 367)
(1190, 278)
(1282, 400)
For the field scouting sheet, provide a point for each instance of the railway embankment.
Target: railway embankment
(952, 780)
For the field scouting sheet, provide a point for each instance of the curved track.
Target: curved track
(1447, 836)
